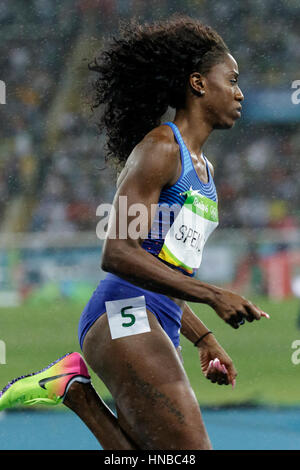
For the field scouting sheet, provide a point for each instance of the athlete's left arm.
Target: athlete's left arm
(208, 348)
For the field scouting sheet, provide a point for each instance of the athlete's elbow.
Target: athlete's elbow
(108, 263)
(105, 265)
(113, 261)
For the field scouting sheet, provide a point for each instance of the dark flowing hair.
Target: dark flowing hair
(143, 72)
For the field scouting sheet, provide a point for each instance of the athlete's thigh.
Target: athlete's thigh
(156, 405)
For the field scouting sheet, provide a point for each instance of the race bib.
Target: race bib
(185, 240)
(127, 317)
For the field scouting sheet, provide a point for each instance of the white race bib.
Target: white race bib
(184, 242)
(127, 317)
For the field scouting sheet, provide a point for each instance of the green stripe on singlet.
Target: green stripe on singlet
(202, 206)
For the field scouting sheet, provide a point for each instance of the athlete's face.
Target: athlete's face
(222, 96)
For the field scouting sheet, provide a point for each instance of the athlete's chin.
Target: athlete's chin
(225, 124)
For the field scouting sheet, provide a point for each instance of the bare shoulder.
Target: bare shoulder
(158, 147)
(156, 156)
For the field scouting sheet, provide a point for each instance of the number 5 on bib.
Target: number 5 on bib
(127, 317)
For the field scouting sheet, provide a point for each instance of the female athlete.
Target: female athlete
(129, 330)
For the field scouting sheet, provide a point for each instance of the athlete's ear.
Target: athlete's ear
(196, 82)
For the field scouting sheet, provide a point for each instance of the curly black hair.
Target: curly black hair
(143, 72)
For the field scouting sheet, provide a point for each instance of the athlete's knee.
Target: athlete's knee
(189, 432)
(188, 439)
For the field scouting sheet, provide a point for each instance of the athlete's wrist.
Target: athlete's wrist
(205, 293)
(202, 339)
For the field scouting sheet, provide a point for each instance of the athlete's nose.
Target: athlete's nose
(239, 95)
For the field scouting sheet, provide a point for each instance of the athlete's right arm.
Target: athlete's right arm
(152, 165)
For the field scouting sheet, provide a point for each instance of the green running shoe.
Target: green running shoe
(48, 386)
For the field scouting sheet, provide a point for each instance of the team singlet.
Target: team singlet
(186, 215)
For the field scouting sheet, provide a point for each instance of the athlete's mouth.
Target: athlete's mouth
(238, 110)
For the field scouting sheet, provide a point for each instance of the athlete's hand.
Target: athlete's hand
(216, 365)
(235, 309)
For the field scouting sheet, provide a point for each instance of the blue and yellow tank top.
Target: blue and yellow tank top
(186, 215)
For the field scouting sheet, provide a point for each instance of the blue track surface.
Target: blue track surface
(238, 429)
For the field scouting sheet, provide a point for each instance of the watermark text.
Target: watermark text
(133, 221)
(296, 354)
(296, 94)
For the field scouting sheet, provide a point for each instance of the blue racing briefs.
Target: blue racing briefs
(167, 312)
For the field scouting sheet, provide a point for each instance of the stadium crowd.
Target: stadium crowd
(257, 167)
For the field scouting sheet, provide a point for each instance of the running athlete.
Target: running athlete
(129, 330)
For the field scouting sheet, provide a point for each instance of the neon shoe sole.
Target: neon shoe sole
(49, 386)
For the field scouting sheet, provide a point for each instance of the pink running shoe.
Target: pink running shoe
(48, 386)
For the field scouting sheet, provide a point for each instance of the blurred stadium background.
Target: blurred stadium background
(52, 181)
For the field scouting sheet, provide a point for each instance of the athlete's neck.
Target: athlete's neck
(194, 130)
